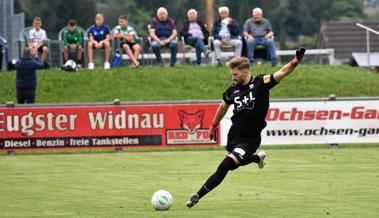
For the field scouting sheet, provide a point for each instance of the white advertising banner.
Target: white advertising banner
(317, 122)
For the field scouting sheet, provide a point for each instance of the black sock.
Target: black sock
(214, 180)
(249, 159)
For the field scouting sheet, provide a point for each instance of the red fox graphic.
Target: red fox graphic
(191, 121)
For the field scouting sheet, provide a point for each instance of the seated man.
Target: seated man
(226, 31)
(99, 39)
(38, 40)
(72, 40)
(163, 33)
(128, 36)
(258, 31)
(195, 34)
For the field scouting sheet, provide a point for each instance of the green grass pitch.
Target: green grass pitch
(317, 182)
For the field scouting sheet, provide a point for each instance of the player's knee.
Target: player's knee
(125, 46)
(137, 47)
(228, 164)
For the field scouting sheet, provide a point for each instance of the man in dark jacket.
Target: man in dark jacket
(195, 34)
(226, 31)
(26, 81)
(163, 34)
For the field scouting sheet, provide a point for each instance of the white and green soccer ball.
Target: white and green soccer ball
(162, 200)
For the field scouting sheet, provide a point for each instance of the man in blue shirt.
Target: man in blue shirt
(26, 80)
(99, 39)
(163, 33)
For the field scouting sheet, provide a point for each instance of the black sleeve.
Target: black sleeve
(268, 81)
(227, 96)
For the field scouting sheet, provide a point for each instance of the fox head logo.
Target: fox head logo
(191, 121)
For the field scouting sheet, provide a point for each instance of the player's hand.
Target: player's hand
(213, 132)
(299, 56)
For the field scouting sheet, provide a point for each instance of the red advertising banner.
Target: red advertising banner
(110, 126)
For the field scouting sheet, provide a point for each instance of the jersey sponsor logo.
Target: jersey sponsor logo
(356, 113)
(266, 78)
(244, 102)
(191, 130)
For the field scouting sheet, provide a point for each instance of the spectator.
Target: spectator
(73, 40)
(163, 33)
(258, 31)
(38, 40)
(99, 39)
(226, 31)
(26, 76)
(128, 35)
(195, 34)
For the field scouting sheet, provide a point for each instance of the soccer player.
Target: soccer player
(38, 40)
(128, 35)
(250, 97)
(99, 39)
(73, 39)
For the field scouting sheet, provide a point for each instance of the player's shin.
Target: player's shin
(214, 180)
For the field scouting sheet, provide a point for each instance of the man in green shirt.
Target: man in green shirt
(128, 36)
(73, 40)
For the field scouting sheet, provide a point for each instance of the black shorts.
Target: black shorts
(242, 146)
(102, 47)
(128, 43)
(40, 49)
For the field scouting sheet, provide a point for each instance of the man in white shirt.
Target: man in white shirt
(38, 39)
(226, 31)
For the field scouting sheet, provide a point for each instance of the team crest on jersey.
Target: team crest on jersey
(190, 130)
(251, 86)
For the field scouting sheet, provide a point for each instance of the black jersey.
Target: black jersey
(251, 103)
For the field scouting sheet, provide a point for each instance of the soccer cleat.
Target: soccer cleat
(262, 156)
(91, 66)
(107, 65)
(193, 200)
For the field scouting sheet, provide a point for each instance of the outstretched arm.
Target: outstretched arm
(288, 68)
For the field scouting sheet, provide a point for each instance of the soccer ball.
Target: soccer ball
(162, 200)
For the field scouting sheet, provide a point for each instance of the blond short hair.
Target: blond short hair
(238, 63)
(37, 19)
